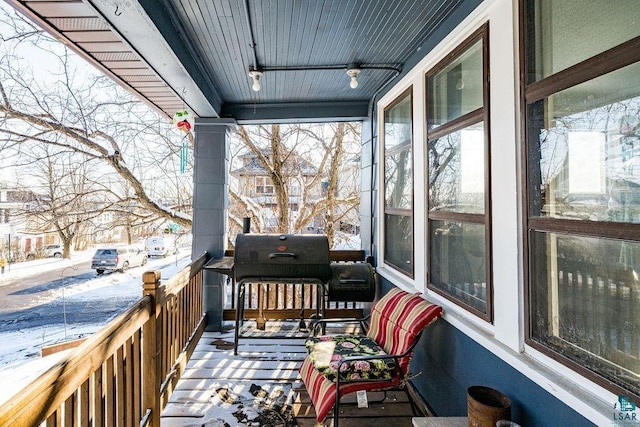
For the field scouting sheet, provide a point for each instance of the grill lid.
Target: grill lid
(277, 257)
(352, 282)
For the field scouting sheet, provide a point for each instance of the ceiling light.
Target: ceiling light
(255, 75)
(353, 73)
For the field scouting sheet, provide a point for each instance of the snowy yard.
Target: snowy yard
(20, 360)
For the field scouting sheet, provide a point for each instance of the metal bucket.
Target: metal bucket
(486, 406)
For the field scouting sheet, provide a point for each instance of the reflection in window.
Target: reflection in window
(397, 176)
(586, 303)
(458, 88)
(457, 258)
(457, 152)
(589, 159)
(456, 171)
(583, 181)
(566, 32)
(398, 232)
(398, 184)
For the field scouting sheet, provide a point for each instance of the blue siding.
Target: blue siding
(450, 362)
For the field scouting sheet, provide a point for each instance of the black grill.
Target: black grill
(282, 257)
(297, 259)
(352, 282)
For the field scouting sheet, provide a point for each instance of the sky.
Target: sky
(20, 361)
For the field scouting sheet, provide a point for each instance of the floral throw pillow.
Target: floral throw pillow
(327, 351)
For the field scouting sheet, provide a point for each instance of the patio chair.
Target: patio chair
(376, 361)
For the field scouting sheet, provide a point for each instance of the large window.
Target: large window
(582, 132)
(398, 184)
(458, 177)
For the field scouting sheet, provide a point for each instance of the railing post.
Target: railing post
(152, 349)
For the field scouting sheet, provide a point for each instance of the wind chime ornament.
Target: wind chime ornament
(183, 120)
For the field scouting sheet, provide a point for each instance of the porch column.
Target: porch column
(210, 202)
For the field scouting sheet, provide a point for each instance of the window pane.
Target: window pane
(398, 185)
(458, 260)
(398, 180)
(585, 150)
(565, 32)
(398, 242)
(586, 303)
(457, 89)
(398, 125)
(456, 171)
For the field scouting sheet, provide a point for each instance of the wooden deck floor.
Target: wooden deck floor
(216, 383)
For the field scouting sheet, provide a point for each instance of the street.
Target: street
(53, 300)
(37, 301)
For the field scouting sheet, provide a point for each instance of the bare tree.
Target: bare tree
(66, 198)
(304, 163)
(77, 110)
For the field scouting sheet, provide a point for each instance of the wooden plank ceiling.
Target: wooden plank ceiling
(207, 48)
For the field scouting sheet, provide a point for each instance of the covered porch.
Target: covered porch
(497, 175)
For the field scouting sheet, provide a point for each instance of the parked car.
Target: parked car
(53, 250)
(161, 246)
(118, 258)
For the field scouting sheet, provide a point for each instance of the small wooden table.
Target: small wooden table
(440, 421)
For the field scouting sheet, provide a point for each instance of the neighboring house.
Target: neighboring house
(254, 182)
(21, 232)
(347, 218)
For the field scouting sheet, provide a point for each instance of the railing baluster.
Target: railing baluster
(120, 408)
(109, 385)
(83, 404)
(68, 411)
(152, 348)
(136, 376)
(97, 397)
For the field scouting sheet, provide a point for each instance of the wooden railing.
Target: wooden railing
(287, 301)
(598, 306)
(125, 372)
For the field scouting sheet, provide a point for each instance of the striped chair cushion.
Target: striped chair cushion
(323, 392)
(397, 319)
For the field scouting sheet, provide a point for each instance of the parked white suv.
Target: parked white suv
(118, 258)
(53, 250)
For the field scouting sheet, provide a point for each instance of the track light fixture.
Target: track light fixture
(353, 72)
(255, 76)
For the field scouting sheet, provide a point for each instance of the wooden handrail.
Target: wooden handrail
(47, 393)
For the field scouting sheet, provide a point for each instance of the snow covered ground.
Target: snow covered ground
(20, 360)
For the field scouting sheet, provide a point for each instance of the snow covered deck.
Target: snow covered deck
(261, 386)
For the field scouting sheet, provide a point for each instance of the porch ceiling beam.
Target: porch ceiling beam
(296, 112)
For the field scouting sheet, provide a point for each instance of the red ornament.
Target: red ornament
(184, 125)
